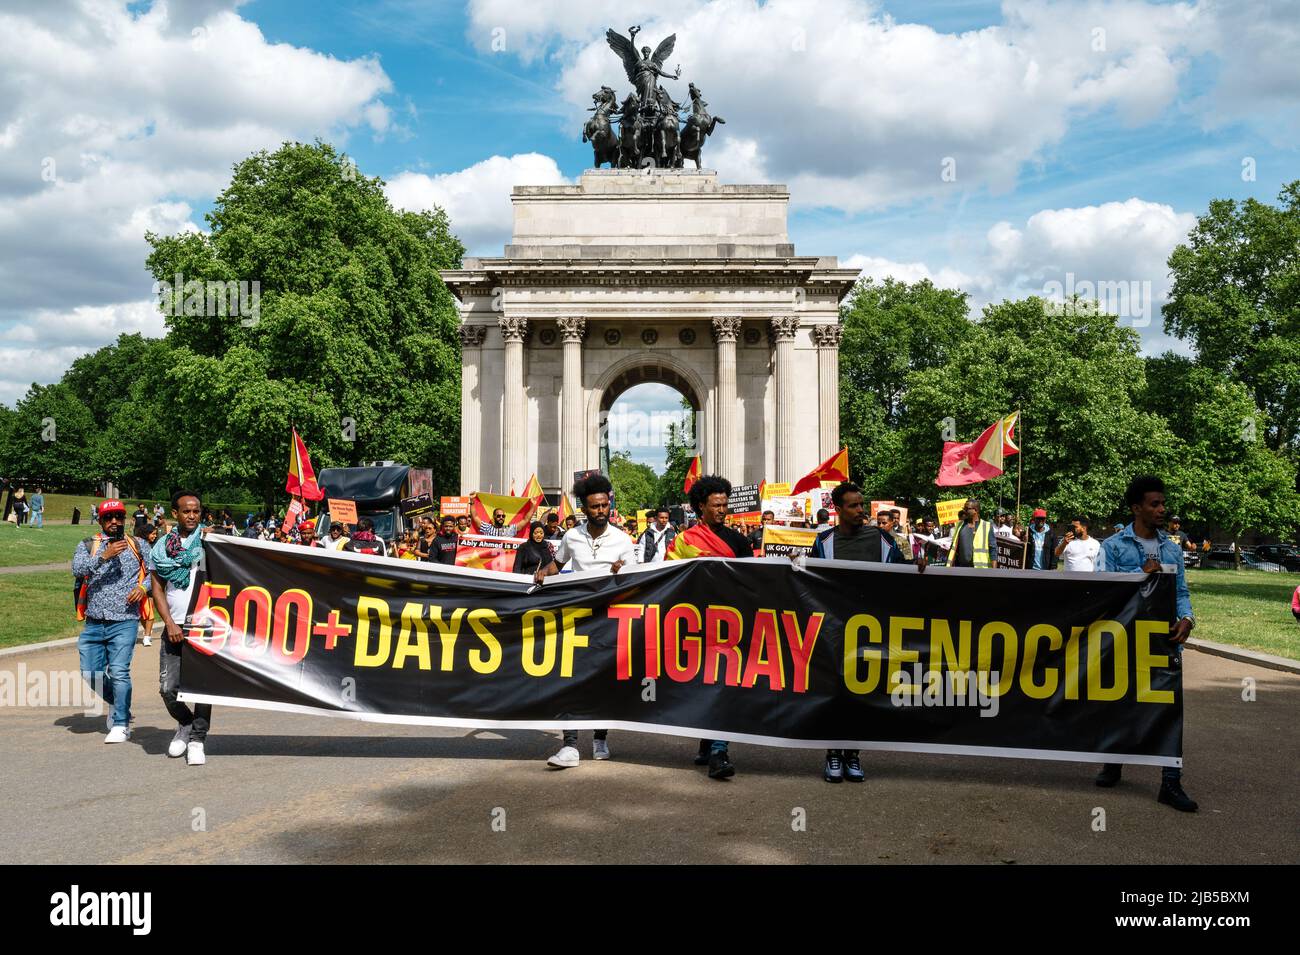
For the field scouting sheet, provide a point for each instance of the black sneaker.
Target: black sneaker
(1171, 794)
(720, 766)
(702, 757)
(853, 768)
(1109, 775)
(834, 771)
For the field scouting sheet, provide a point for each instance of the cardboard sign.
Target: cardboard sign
(345, 512)
(785, 541)
(454, 506)
(484, 552)
(417, 504)
(744, 501)
(950, 511)
(1011, 553)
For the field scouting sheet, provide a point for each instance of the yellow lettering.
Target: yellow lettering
(852, 654)
(572, 639)
(531, 666)
(363, 656)
(478, 661)
(413, 625)
(1027, 685)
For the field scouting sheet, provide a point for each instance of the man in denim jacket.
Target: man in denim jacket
(1142, 547)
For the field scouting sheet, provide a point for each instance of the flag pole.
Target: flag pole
(1020, 462)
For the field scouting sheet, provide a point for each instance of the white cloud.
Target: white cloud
(477, 199)
(873, 266)
(114, 121)
(857, 111)
(41, 347)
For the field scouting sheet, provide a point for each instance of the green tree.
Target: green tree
(1077, 378)
(354, 339)
(1236, 298)
(680, 450)
(635, 485)
(890, 329)
(51, 436)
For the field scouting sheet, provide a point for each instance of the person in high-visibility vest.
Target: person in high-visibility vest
(973, 542)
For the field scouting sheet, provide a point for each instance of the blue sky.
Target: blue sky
(996, 148)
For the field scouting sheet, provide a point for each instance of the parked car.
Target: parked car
(1222, 557)
(1286, 555)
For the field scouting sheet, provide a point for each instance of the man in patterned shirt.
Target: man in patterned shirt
(116, 572)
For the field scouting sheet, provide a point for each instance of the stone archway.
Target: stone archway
(665, 276)
(642, 368)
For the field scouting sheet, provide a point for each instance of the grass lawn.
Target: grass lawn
(36, 607)
(20, 546)
(1247, 608)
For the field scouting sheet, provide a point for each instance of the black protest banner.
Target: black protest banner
(865, 656)
(744, 500)
(417, 504)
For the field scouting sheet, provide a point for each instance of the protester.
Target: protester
(141, 518)
(498, 527)
(1143, 547)
(657, 539)
(854, 539)
(823, 520)
(337, 536)
(37, 504)
(596, 545)
(973, 542)
(158, 512)
(1040, 543)
(442, 548)
(364, 541)
(112, 572)
(709, 536)
(307, 534)
(1077, 550)
(1002, 524)
(177, 558)
(534, 553)
(462, 525)
(570, 522)
(1175, 534)
(553, 529)
(756, 537)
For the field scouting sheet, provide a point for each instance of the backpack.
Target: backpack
(81, 584)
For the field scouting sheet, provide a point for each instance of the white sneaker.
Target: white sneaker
(176, 748)
(194, 754)
(600, 749)
(566, 758)
(147, 641)
(118, 734)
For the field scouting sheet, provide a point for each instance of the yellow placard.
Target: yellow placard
(950, 511)
(775, 489)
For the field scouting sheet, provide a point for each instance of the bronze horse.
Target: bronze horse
(599, 131)
(699, 126)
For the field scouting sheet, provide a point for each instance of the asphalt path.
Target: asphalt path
(282, 788)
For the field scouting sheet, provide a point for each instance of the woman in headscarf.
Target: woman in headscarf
(534, 552)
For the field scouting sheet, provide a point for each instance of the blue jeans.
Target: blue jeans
(106, 647)
(38, 518)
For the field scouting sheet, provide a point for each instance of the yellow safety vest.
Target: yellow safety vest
(979, 546)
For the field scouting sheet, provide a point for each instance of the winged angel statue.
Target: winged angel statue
(643, 71)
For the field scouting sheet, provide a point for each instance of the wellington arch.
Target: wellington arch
(660, 275)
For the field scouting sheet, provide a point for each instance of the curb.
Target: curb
(56, 644)
(1267, 660)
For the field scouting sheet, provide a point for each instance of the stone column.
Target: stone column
(573, 423)
(471, 409)
(514, 425)
(726, 459)
(827, 338)
(784, 328)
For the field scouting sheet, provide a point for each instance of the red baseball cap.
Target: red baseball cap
(307, 526)
(112, 506)
(1040, 513)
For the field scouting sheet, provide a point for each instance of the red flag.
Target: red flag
(302, 479)
(533, 491)
(519, 510)
(981, 459)
(692, 474)
(834, 468)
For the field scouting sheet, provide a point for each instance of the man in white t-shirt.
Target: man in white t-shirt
(1077, 550)
(596, 545)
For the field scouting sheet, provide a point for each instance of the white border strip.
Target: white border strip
(1066, 755)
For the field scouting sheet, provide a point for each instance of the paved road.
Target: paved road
(285, 788)
(38, 568)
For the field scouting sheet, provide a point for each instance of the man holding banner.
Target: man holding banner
(973, 542)
(1144, 548)
(595, 545)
